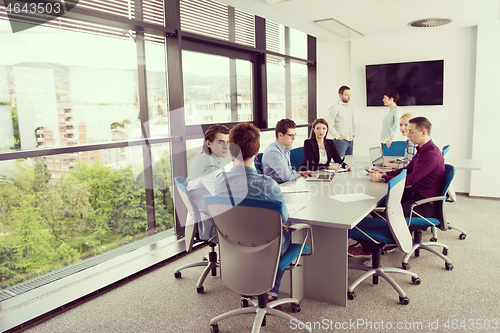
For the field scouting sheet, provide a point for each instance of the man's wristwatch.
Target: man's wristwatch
(382, 179)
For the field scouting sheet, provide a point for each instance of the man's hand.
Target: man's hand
(285, 228)
(375, 169)
(341, 138)
(307, 173)
(375, 176)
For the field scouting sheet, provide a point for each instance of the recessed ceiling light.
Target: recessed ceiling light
(429, 22)
(275, 1)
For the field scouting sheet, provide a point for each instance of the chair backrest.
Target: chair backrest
(446, 149)
(449, 174)
(395, 216)
(249, 234)
(258, 163)
(187, 218)
(297, 157)
(397, 148)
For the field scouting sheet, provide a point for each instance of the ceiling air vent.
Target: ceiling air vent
(429, 22)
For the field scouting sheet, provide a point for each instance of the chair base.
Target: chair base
(261, 310)
(418, 245)
(210, 266)
(375, 270)
(462, 236)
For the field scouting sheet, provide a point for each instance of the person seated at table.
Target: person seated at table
(319, 151)
(410, 150)
(244, 181)
(204, 167)
(425, 172)
(276, 158)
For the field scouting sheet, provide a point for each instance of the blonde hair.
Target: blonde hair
(408, 116)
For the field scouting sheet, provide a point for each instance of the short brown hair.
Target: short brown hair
(392, 94)
(422, 123)
(316, 122)
(283, 125)
(244, 138)
(341, 89)
(210, 134)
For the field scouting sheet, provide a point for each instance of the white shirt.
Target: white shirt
(340, 121)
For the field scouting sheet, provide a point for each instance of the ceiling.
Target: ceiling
(371, 18)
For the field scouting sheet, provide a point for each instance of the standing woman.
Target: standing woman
(319, 151)
(390, 123)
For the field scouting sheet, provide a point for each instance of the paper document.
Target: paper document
(351, 197)
(293, 187)
(293, 208)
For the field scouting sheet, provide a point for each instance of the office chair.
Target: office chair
(397, 148)
(192, 218)
(374, 234)
(450, 197)
(258, 163)
(250, 232)
(297, 157)
(417, 223)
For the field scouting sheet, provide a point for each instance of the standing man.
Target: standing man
(276, 158)
(341, 123)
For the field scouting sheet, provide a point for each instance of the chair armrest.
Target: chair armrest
(298, 226)
(427, 200)
(309, 232)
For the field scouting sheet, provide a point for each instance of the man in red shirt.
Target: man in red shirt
(425, 173)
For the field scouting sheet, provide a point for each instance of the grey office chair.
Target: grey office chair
(192, 218)
(417, 223)
(450, 197)
(250, 232)
(374, 233)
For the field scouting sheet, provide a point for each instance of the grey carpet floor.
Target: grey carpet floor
(464, 299)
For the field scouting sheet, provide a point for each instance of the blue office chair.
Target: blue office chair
(445, 150)
(297, 157)
(397, 148)
(192, 218)
(250, 233)
(374, 234)
(417, 223)
(258, 163)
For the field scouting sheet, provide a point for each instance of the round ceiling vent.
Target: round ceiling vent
(429, 22)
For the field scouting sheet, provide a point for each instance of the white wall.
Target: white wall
(452, 122)
(487, 113)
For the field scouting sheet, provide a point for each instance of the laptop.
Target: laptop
(321, 177)
(377, 158)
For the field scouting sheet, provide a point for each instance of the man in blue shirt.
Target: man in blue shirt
(244, 181)
(276, 158)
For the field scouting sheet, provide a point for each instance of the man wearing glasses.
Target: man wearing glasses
(276, 158)
(203, 169)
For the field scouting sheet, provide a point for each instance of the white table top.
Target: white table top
(322, 210)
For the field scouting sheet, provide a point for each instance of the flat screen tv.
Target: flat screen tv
(417, 83)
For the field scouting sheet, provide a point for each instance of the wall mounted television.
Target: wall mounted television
(418, 83)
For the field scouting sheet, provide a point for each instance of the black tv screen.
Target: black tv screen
(417, 83)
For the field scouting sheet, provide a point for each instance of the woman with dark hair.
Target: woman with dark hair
(390, 123)
(319, 151)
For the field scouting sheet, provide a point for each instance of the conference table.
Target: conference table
(325, 273)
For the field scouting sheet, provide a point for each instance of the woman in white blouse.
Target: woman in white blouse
(319, 151)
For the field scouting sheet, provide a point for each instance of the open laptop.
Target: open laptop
(377, 157)
(328, 177)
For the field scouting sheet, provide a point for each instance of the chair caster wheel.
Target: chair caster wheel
(296, 308)
(404, 300)
(200, 290)
(445, 251)
(351, 295)
(244, 303)
(416, 281)
(205, 259)
(462, 236)
(449, 266)
(405, 265)
(383, 252)
(433, 239)
(214, 328)
(177, 275)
